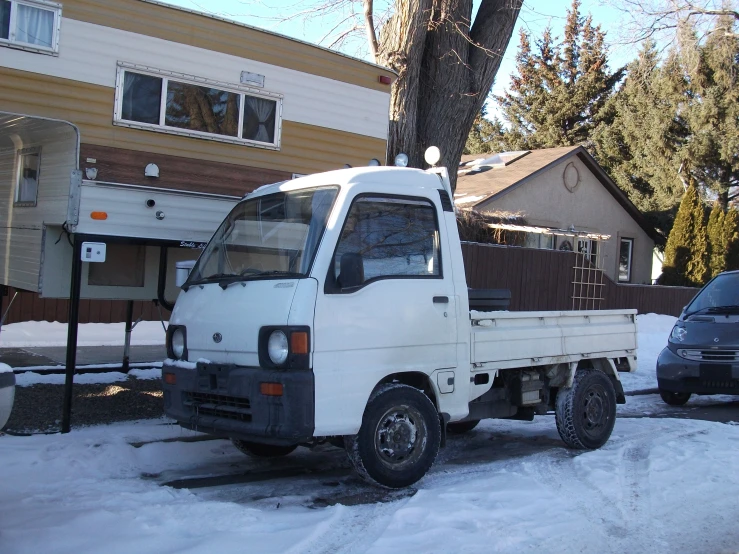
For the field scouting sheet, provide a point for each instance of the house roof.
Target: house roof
(483, 179)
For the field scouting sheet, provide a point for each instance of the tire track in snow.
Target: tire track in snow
(355, 530)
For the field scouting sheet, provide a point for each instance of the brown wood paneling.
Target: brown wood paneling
(118, 165)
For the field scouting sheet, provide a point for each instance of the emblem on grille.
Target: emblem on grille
(217, 337)
(715, 340)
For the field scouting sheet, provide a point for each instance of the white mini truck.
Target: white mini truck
(334, 307)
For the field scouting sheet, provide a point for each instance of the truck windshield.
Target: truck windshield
(268, 236)
(721, 294)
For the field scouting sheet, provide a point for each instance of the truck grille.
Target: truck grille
(711, 355)
(218, 405)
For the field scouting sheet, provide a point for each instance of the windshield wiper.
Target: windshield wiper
(715, 310)
(226, 279)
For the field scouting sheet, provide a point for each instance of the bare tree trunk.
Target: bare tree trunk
(446, 68)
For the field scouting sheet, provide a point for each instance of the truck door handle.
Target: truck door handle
(441, 300)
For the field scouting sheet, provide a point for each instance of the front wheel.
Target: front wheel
(399, 437)
(260, 450)
(586, 412)
(674, 398)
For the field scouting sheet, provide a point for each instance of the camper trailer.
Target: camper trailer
(130, 128)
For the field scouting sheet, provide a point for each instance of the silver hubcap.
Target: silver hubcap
(400, 436)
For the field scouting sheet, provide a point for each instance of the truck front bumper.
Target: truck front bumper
(676, 374)
(226, 400)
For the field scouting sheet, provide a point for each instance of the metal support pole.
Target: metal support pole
(73, 320)
(127, 344)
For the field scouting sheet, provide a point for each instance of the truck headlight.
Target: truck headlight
(678, 334)
(277, 347)
(177, 342)
(284, 347)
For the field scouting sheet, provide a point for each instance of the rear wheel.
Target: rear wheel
(461, 427)
(399, 437)
(586, 412)
(674, 398)
(260, 450)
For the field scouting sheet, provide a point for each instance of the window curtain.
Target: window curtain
(263, 110)
(34, 26)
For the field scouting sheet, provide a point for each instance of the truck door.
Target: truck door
(388, 304)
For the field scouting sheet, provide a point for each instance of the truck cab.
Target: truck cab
(335, 307)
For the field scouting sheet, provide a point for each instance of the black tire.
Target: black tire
(674, 398)
(461, 427)
(260, 450)
(586, 412)
(399, 437)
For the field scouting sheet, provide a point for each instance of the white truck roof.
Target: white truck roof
(405, 178)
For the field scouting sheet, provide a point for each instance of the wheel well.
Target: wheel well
(412, 379)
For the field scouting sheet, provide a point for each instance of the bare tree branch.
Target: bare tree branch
(369, 24)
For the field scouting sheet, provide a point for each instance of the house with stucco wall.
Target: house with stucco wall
(568, 202)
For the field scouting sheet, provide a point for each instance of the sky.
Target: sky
(535, 16)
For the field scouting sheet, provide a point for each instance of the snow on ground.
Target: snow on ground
(653, 330)
(44, 333)
(5, 368)
(659, 485)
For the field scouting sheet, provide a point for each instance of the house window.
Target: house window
(173, 103)
(30, 25)
(588, 248)
(388, 237)
(624, 260)
(29, 164)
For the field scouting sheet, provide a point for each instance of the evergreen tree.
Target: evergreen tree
(711, 106)
(559, 87)
(731, 239)
(639, 137)
(485, 136)
(717, 239)
(686, 253)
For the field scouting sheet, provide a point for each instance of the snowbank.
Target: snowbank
(653, 330)
(44, 333)
(5, 368)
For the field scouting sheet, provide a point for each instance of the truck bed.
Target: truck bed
(501, 340)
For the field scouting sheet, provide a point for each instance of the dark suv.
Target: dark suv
(702, 354)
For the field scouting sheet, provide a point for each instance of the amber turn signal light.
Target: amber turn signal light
(100, 216)
(170, 378)
(299, 342)
(270, 389)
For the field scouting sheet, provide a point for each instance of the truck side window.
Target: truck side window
(387, 238)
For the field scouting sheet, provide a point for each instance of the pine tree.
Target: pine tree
(731, 239)
(559, 88)
(717, 239)
(639, 137)
(711, 106)
(686, 253)
(485, 136)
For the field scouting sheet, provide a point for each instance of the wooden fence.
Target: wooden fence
(542, 280)
(537, 279)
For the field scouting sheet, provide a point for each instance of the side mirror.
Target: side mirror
(182, 271)
(351, 272)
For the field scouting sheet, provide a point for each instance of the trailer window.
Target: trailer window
(388, 238)
(30, 25)
(29, 165)
(179, 104)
